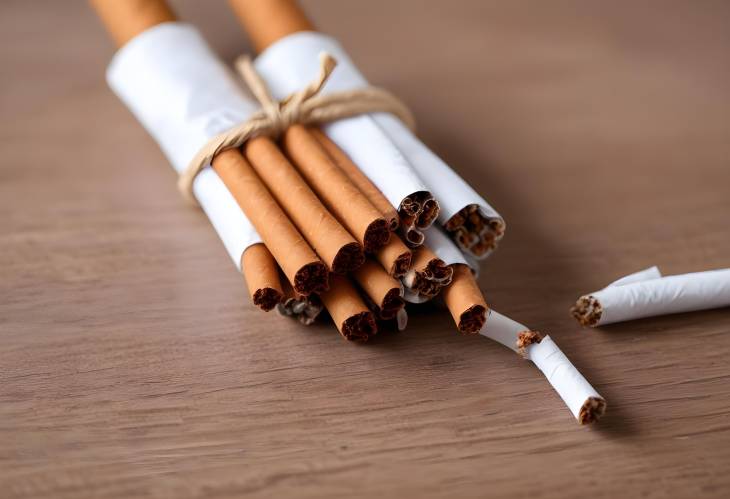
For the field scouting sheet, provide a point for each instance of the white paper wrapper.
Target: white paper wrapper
(446, 250)
(184, 95)
(292, 62)
(648, 294)
(580, 397)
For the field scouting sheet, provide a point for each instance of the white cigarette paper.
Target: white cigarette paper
(647, 294)
(581, 398)
(292, 62)
(184, 95)
(446, 250)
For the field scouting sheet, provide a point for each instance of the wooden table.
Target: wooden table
(131, 363)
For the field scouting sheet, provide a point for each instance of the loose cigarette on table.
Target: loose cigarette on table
(385, 292)
(353, 318)
(337, 248)
(647, 294)
(186, 97)
(358, 178)
(262, 277)
(472, 221)
(581, 398)
(359, 137)
(303, 308)
(336, 191)
(465, 300)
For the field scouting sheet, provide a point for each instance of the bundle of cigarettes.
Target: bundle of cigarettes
(355, 215)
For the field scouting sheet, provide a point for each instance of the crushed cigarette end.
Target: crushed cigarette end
(267, 298)
(592, 410)
(391, 305)
(312, 278)
(417, 211)
(472, 319)
(525, 339)
(376, 235)
(587, 310)
(401, 265)
(475, 233)
(359, 327)
(430, 280)
(348, 258)
(429, 213)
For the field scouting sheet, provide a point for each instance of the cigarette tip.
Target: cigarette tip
(587, 311)
(592, 410)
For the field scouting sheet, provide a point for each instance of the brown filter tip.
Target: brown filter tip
(593, 409)
(525, 339)
(587, 310)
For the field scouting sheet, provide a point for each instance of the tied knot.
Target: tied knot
(306, 107)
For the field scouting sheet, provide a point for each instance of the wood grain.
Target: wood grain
(132, 364)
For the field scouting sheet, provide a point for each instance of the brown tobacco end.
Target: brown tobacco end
(472, 319)
(359, 327)
(587, 310)
(312, 278)
(348, 258)
(395, 257)
(393, 220)
(429, 213)
(525, 339)
(414, 237)
(267, 298)
(474, 232)
(377, 235)
(593, 409)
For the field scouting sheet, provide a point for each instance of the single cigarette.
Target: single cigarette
(296, 258)
(465, 301)
(385, 291)
(427, 277)
(476, 230)
(395, 257)
(262, 277)
(358, 178)
(648, 294)
(305, 309)
(341, 197)
(337, 248)
(581, 398)
(352, 317)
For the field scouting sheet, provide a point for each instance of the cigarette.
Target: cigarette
(296, 258)
(305, 309)
(358, 178)
(262, 277)
(385, 292)
(476, 229)
(337, 248)
(367, 145)
(353, 318)
(647, 294)
(465, 301)
(427, 276)
(581, 398)
(186, 97)
(395, 257)
(339, 195)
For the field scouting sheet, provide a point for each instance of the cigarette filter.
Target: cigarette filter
(647, 294)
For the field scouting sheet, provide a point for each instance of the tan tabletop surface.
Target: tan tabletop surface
(132, 364)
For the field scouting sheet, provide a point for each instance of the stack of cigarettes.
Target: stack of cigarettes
(356, 216)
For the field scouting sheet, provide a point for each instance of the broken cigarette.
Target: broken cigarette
(305, 309)
(271, 26)
(358, 178)
(385, 292)
(353, 318)
(427, 276)
(339, 195)
(581, 398)
(465, 301)
(337, 248)
(262, 277)
(647, 294)
(300, 264)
